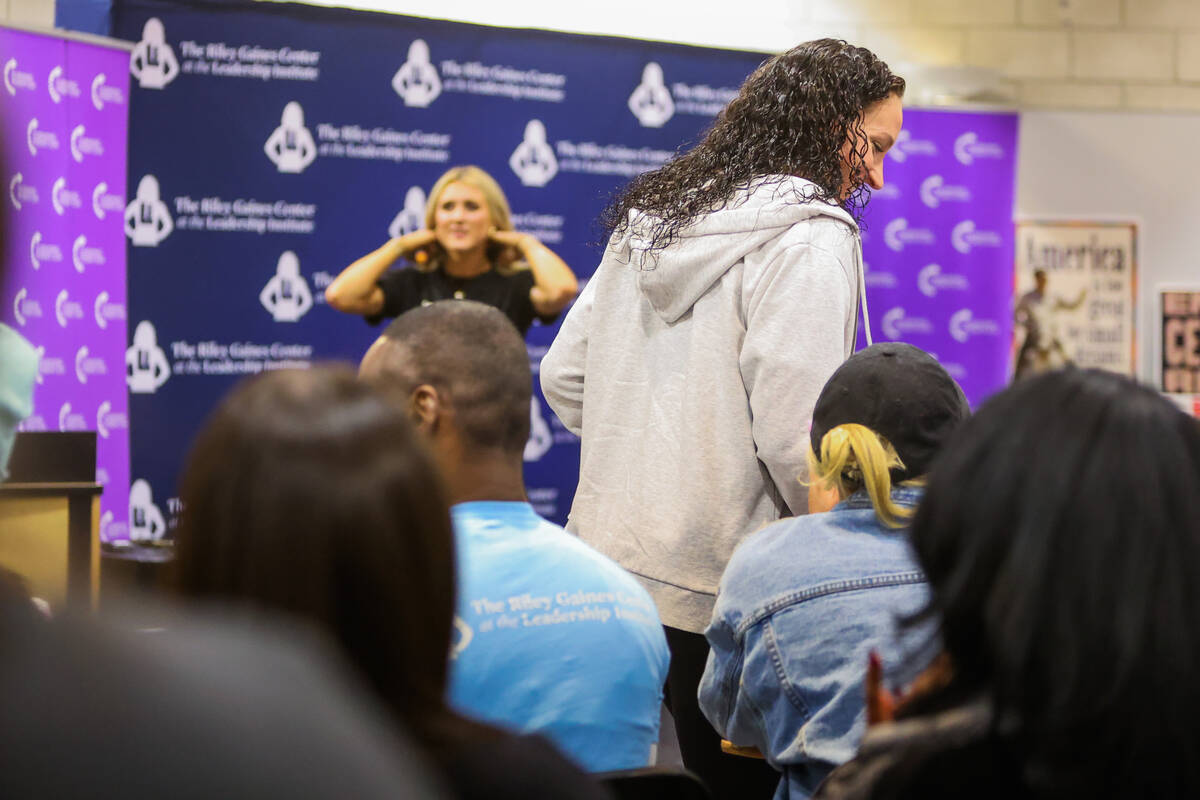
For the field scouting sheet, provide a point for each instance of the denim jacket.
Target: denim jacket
(800, 606)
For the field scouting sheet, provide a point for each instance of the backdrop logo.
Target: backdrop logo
(533, 161)
(66, 309)
(84, 145)
(930, 281)
(412, 217)
(967, 148)
(38, 139)
(40, 251)
(34, 422)
(147, 219)
(48, 366)
(291, 147)
(82, 255)
(897, 235)
(68, 420)
(103, 202)
(896, 324)
(62, 198)
(25, 308)
(963, 326)
(60, 87)
(146, 522)
(935, 191)
(102, 93)
(108, 421)
(152, 61)
(879, 279)
(965, 236)
(87, 364)
(110, 527)
(21, 193)
(651, 101)
(907, 146)
(15, 78)
(286, 296)
(540, 438)
(106, 312)
(890, 191)
(417, 80)
(146, 367)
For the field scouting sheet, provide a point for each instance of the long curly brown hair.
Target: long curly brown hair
(791, 117)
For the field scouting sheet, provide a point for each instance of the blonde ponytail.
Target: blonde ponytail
(854, 456)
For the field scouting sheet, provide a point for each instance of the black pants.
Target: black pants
(728, 777)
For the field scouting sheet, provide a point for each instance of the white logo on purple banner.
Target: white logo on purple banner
(290, 146)
(146, 522)
(106, 312)
(412, 217)
(878, 279)
(103, 202)
(66, 309)
(146, 367)
(84, 255)
(62, 198)
(69, 420)
(15, 78)
(25, 308)
(152, 61)
(40, 251)
(965, 236)
(87, 364)
(897, 235)
(930, 281)
(38, 139)
(533, 161)
(967, 148)
(417, 80)
(60, 87)
(32, 423)
(107, 420)
(963, 326)
(21, 193)
(935, 191)
(49, 365)
(286, 296)
(84, 145)
(896, 324)
(147, 219)
(103, 94)
(651, 101)
(907, 146)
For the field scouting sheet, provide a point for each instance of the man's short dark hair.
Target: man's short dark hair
(472, 354)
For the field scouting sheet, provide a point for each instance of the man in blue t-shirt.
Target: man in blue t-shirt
(552, 637)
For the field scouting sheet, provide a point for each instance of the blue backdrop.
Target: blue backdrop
(273, 144)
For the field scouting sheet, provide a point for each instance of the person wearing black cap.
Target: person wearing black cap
(805, 602)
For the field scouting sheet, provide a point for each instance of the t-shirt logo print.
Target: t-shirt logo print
(417, 80)
(533, 161)
(291, 147)
(651, 101)
(152, 61)
(287, 296)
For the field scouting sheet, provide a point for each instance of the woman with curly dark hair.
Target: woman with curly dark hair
(690, 364)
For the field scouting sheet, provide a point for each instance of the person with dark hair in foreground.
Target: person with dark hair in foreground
(553, 637)
(1060, 534)
(725, 299)
(805, 600)
(308, 493)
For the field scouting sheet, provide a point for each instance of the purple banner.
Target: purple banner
(64, 115)
(939, 244)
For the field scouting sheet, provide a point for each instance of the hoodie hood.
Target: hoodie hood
(673, 279)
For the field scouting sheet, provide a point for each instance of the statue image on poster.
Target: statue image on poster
(291, 147)
(651, 101)
(152, 61)
(1038, 315)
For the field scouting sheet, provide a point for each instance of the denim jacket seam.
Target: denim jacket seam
(781, 674)
(824, 590)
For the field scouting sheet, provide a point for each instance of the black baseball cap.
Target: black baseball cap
(900, 392)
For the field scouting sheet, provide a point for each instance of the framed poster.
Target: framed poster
(1179, 347)
(1075, 296)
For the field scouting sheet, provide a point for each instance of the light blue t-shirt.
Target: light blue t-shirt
(554, 638)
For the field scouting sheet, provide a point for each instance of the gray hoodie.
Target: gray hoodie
(691, 373)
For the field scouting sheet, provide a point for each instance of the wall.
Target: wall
(33, 13)
(1122, 166)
